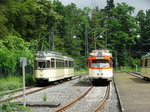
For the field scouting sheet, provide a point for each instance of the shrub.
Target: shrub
(10, 83)
(30, 80)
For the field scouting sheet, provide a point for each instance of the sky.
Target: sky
(138, 4)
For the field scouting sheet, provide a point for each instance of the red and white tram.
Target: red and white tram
(100, 65)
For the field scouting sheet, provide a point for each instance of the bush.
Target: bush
(9, 107)
(127, 69)
(11, 49)
(30, 80)
(10, 83)
(15, 82)
(81, 71)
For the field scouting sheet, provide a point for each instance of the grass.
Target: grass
(15, 82)
(127, 69)
(12, 83)
(9, 107)
(81, 71)
(81, 82)
(45, 98)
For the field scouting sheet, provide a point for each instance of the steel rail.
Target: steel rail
(75, 101)
(19, 96)
(136, 75)
(17, 90)
(102, 102)
(35, 91)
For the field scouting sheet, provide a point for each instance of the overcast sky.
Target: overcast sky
(138, 4)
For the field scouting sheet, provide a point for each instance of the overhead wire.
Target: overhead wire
(93, 4)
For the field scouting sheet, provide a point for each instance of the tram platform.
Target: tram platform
(133, 92)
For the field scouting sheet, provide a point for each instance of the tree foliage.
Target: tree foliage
(12, 48)
(143, 42)
(24, 24)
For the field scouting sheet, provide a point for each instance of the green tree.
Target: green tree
(11, 49)
(143, 42)
(110, 5)
(3, 19)
(123, 31)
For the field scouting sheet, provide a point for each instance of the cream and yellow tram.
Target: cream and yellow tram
(100, 65)
(145, 69)
(51, 66)
(68, 70)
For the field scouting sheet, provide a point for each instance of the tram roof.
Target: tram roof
(48, 54)
(51, 54)
(102, 52)
(68, 58)
(147, 55)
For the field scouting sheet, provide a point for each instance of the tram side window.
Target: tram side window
(58, 63)
(66, 63)
(62, 63)
(69, 63)
(41, 64)
(35, 64)
(146, 62)
(53, 63)
(72, 64)
(48, 64)
(142, 63)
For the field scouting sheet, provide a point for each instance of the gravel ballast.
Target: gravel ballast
(63, 94)
(112, 104)
(69, 91)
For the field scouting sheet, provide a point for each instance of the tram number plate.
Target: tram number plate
(100, 70)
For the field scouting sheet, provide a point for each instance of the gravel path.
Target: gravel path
(68, 91)
(90, 101)
(19, 93)
(63, 94)
(112, 104)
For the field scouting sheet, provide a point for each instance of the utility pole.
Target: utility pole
(49, 36)
(106, 37)
(116, 60)
(103, 32)
(52, 35)
(86, 43)
(95, 39)
(51, 40)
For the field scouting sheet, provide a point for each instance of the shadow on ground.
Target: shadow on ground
(139, 80)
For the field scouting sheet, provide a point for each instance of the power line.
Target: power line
(93, 4)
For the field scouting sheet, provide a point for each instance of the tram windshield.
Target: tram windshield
(41, 64)
(100, 63)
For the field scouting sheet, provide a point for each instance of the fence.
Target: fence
(18, 71)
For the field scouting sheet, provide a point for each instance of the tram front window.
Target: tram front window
(41, 64)
(100, 63)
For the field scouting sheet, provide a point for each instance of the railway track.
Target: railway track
(136, 75)
(139, 76)
(8, 96)
(97, 108)
(103, 101)
(27, 93)
(17, 90)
